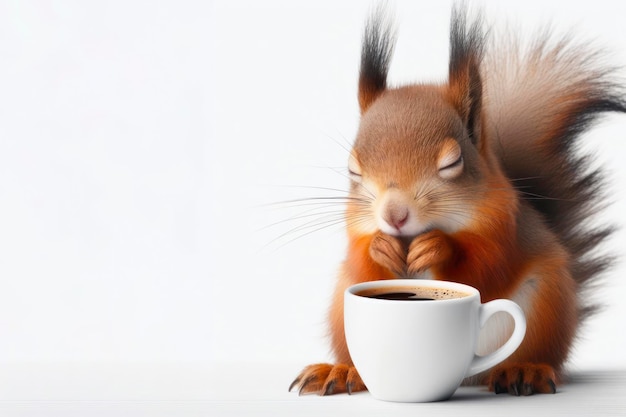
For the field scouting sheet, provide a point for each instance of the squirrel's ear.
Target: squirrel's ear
(376, 51)
(465, 86)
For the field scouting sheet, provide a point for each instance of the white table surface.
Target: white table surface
(240, 389)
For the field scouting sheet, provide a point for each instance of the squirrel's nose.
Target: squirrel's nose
(396, 216)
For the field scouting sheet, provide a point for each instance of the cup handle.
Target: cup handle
(482, 363)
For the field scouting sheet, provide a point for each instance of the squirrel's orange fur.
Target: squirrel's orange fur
(440, 180)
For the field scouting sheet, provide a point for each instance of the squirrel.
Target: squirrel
(479, 181)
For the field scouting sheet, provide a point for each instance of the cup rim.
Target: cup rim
(414, 282)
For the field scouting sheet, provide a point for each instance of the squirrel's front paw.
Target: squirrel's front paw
(522, 379)
(389, 252)
(327, 379)
(427, 250)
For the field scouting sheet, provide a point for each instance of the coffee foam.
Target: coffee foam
(420, 292)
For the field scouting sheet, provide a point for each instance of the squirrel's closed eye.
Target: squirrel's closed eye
(450, 163)
(354, 176)
(354, 168)
(459, 161)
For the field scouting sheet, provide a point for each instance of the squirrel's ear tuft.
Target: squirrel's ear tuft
(466, 53)
(376, 51)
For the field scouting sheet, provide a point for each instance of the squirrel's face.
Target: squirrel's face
(413, 167)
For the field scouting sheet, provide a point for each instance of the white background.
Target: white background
(140, 143)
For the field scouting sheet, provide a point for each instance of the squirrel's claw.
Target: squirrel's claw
(523, 379)
(294, 383)
(327, 379)
(305, 384)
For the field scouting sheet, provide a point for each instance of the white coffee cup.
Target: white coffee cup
(420, 351)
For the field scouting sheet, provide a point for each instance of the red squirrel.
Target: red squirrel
(478, 180)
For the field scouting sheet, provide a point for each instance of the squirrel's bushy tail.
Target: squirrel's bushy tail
(539, 101)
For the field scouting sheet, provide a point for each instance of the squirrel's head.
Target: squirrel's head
(419, 160)
(414, 160)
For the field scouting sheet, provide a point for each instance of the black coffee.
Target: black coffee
(412, 293)
(408, 296)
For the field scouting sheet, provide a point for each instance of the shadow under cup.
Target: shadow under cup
(408, 349)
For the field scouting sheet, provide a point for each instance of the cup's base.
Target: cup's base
(413, 399)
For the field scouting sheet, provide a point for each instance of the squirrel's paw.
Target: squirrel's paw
(428, 249)
(389, 252)
(522, 379)
(327, 379)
